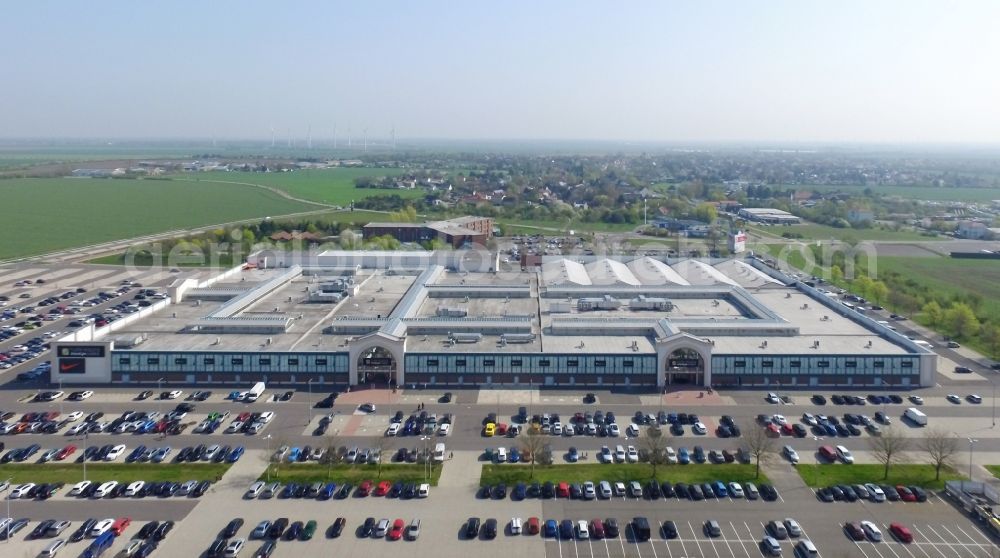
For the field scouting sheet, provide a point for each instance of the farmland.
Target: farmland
(329, 186)
(43, 215)
(928, 193)
(816, 231)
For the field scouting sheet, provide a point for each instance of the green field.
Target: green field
(910, 192)
(624, 472)
(121, 472)
(908, 474)
(330, 186)
(43, 215)
(995, 469)
(551, 228)
(815, 231)
(354, 474)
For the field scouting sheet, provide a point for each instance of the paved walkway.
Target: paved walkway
(461, 471)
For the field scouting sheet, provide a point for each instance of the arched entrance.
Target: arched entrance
(685, 367)
(377, 367)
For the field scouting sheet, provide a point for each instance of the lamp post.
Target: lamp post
(268, 455)
(159, 396)
(309, 384)
(972, 442)
(6, 489)
(427, 457)
(60, 397)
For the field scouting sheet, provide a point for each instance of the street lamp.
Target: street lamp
(427, 457)
(5, 489)
(159, 396)
(268, 455)
(309, 384)
(61, 398)
(971, 443)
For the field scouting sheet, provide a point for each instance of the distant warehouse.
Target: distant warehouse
(768, 215)
(458, 232)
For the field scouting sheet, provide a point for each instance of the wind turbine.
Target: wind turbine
(272, 137)
(309, 141)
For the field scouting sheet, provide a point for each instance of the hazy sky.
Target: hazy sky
(798, 70)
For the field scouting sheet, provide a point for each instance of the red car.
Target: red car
(597, 528)
(787, 429)
(120, 524)
(562, 490)
(65, 452)
(854, 530)
(901, 532)
(396, 532)
(502, 429)
(772, 430)
(243, 417)
(533, 525)
(383, 488)
(905, 494)
(365, 488)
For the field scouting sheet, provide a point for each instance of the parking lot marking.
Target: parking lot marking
(636, 540)
(946, 541)
(891, 542)
(930, 542)
(806, 536)
(988, 547)
(694, 537)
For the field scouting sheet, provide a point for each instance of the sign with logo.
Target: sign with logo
(684, 363)
(72, 365)
(82, 351)
(738, 242)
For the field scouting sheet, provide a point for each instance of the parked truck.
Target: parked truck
(256, 391)
(916, 416)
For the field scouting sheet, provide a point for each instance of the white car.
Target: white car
(671, 454)
(613, 430)
(844, 455)
(132, 547)
(175, 394)
(392, 430)
(632, 430)
(256, 427)
(809, 419)
(444, 429)
(105, 489)
(793, 527)
(619, 489)
(604, 489)
(773, 398)
(515, 526)
(423, 490)
(582, 532)
(871, 531)
(606, 455)
(589, 491)
(115, 452)
(134, 488)
(49, 455)
(699, 428)
(234, 547)
(619, 454)
(21, 490)
(875, 492)
(79, 487)
(954, 399)
(633, 455)
(735, 490)
(85, 395)
(100, 528)
(791, 454)
(74, 416)
(234, 427)
(780, 420)
(266, 416)
(974, 398)
(556, 429)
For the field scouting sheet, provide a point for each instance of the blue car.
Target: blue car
(831, 430)
(683, 457)
(233, 395)
(327, 491)
(135, 454)
(699, 454)
(520, 491)
(719, 488)
(514, 456)
(572, 456)
(294, 454)
(235, 455)
(551, 528)
(566, 529)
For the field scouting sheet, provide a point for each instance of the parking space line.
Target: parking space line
(635, 540)
(806, 536)
(652, 547)
(935, 544)
(951, 544)
(970, 537)
(666, 543)
(725, 539)
(683, 546)
(694, 537)
(621, 541)
(740, 539)
(576, 551)
(888, 543)
(715, 549)
(902, 545)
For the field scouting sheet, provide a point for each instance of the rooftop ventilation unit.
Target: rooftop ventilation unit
(465, 337)
(517, 338)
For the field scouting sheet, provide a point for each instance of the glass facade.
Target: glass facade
(140, 362)
(530, 363)
(814, 365)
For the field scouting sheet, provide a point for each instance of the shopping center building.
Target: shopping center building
(458, 318)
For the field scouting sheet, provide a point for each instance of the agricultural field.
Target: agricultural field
(929, 193)
(44, 215)
(813, 231)
(329, 186)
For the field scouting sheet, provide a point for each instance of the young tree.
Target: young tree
(941, 448)
(961, 320)
(759, 444)
(889, 448)
(383, 444)
(532, 443)
(933, 313)
(330, 458)
(878, 292)
(990, 337)
(655, 444)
